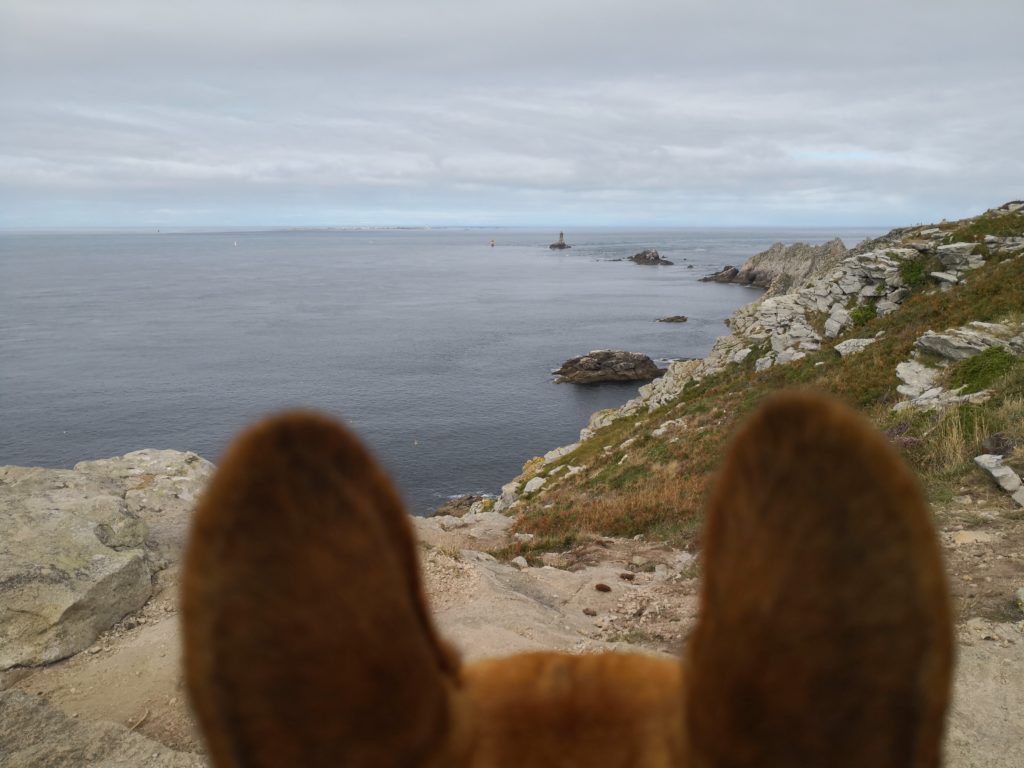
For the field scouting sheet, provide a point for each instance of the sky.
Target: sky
(526, 113)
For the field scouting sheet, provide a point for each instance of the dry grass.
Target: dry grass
(660, 488)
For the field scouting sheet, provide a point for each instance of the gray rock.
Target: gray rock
(1005, 477)
(946, 277)
(781, 267)
(673, 319)
(35, 733)
(649, 257)
(853, 346)
(520, 562)
(534, 484)
(509, 496)
(556, 453)
(607, 365)
(78, 547)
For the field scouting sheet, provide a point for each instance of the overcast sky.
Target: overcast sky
(635, 112)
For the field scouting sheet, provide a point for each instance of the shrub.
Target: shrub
(914, 273)
(864, 313)
(983, 370)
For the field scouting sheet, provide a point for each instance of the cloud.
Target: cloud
(323, 112)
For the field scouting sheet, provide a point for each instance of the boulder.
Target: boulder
(78, 548)
(853, 346)
(607, 365)
(649, 257)
(673, 319)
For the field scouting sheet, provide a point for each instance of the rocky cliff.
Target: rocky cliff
(783, 266)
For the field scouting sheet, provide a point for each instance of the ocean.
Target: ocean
(436, 347)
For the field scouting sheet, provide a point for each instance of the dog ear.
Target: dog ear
(308, 640)
(825, 637)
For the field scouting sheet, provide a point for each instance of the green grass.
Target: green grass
(1000, 225)
(983, 370)
(863, 314)
(914, 272)
(661, 491)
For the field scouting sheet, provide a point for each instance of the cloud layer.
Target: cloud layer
(687, 113)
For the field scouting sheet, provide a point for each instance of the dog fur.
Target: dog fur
(824, 638)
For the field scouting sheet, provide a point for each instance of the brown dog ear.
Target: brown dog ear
(825, 637)
(308, 640)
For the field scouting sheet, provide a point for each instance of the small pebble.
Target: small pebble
(602, 588)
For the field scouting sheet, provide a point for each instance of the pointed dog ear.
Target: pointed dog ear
(308, 640)
(825, 637)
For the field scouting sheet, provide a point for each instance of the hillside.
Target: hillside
(906, 301)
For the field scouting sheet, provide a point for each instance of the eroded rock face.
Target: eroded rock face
(607, 365)
(78, 547)
(781, 266)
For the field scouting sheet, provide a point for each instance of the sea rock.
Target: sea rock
(649, 256)
(673, 319)
(78, 547)
(607, 365)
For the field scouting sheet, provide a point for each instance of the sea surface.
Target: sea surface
(435, 346)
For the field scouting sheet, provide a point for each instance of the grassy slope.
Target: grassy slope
(657, 485)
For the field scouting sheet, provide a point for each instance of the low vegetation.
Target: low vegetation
(657, 486)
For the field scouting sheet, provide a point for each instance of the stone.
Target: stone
(607, 365)
(520, 562)
(673, 319)
(957, 343)
(79, 547)
(1005, 477)
(649, 257)
(1018, 497)
(534, 484)
(945, 277)
(916, 378)
(508, 498)
(853, 346)
(557, 453)
(37, 733)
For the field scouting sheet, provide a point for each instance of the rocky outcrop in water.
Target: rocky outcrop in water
(607, 365)
(649, 257)
(79, 547)
(781, 266)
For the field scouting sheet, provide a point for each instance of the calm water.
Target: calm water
(436, 347)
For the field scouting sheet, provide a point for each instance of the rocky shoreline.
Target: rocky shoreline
(89, 557)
